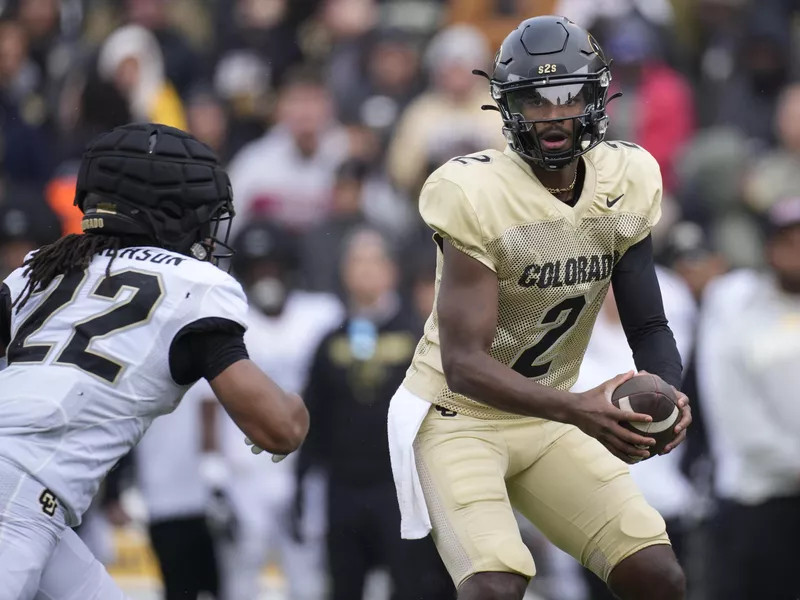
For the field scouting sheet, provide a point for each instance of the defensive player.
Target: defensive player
(106, 331)
(529, 240)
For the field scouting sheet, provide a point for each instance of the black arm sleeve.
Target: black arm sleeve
(641, 311)
(5, 315)
(205, 349)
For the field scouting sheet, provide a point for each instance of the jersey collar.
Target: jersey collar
(573, 214)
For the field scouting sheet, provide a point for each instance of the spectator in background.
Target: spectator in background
(322, 245)
(656, 109)
(284, 328)
(777, 173)
(357, 199)
(749, 378)
(447, 120)
(390, 80)
(354, 374)
(23, 111)
(40, 19)
(719, 31)
(287, 174)
(181, 62)
(131, 59)
(52, 46)
(749, 99)
(256, 49)
(207, 120)
(344, 28)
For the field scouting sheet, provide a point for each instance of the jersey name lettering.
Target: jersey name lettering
(148, 254)
(573, 271)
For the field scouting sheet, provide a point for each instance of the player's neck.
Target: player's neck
(562, 183)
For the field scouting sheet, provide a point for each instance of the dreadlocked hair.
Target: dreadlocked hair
(72, 252)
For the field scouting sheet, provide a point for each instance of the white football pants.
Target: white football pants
(41, 558)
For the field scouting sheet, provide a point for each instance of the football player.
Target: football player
(529, 240)
(107, 330)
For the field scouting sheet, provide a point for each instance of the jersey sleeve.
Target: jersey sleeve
(224, 299)
(446, 209)
(213, 338)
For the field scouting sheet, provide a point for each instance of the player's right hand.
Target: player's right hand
(597, 417)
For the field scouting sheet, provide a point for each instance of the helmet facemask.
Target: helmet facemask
(527, 135)
(212, 240)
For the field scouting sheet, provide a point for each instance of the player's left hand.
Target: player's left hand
(276, 458)
(683, 423)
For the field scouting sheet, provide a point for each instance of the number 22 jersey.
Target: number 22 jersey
(553, 261)
(89, 361)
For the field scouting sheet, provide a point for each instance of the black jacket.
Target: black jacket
(348, 400)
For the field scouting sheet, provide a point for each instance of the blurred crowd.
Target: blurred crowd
(329, 115)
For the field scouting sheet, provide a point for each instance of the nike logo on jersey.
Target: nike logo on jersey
(573, 271)
(610, 203)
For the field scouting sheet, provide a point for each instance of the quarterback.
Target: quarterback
(107, 330)
(529, 241)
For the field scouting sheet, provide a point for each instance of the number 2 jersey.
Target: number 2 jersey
(92, 360)
(553, 261)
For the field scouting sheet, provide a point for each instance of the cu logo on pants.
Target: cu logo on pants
(48, 502)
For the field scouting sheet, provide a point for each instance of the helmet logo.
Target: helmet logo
(498, 57)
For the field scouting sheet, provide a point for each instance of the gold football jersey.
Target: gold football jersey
(553, 261)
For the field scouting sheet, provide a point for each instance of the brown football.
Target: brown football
(651, 396)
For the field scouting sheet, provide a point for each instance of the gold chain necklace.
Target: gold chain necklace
(571, 186)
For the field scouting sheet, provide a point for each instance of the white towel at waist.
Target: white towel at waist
(406, 413)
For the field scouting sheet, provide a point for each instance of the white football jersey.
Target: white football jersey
(89, 362)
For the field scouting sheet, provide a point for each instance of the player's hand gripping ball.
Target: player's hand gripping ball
(652, 396)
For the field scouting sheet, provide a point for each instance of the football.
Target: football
(651, 396)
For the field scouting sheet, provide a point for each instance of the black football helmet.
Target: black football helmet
(158, 183)
(264, 241)
(550, 59)
(265, 261)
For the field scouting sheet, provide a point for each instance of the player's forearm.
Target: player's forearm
(641, 310)
(480, 377)
(270, 418)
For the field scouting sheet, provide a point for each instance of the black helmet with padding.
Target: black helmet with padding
(156, 182)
